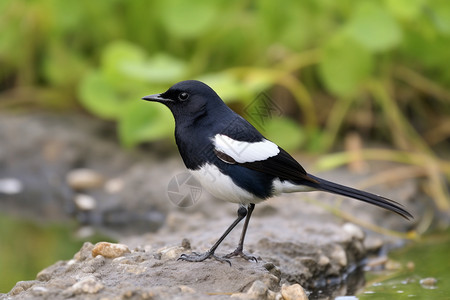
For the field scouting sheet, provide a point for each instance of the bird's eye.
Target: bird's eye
(183, 96)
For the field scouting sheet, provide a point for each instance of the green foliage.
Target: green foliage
(373, 27)
(108, 54)
(113, 91)
(345, 65)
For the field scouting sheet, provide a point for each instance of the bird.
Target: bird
(233, 161)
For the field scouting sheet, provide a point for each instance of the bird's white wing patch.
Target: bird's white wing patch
(245, 152)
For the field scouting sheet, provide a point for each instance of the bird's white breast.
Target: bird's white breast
(222, 186)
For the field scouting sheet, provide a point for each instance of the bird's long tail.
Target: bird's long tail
(331, 187)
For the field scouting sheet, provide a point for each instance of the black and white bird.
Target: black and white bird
(234, 162)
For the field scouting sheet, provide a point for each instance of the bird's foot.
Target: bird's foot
(239, 252)
(197, 257)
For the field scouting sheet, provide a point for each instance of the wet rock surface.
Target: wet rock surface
(143, 274)
(297, 241)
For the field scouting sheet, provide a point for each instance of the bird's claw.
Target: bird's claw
(239, 252)
(197, 257)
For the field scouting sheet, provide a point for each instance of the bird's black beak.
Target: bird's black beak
(156, 98)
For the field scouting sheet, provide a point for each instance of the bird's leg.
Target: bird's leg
(240, 247)
(242, 212)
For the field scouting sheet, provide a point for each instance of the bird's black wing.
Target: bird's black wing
(282, 165)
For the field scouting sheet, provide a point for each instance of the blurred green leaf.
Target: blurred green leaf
(373, 27)
(188, 19)
(143, 121)
(116, 58)
(124, 63)
(99, 97)
(441, 15)
(345, 65)
(227, 86)
(405, 9)
(161, 68)
(285, 132)
(63, 67)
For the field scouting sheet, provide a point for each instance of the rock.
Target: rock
(94, 264)
(410, 265)
(428, 283)
(258, 290)
(39, 291)
(339, 255)
(376, 263)
(22, 286)
(272, 269)
(109, 250)
(354, 231)
(85, 202)
(392, 265)
(139, 275)
(10, 186)
(186, 244)
(114, 186)
(293, 292)
(373, 244)
(87, 285)
(84, 253)
(84, 179)
(171, 252)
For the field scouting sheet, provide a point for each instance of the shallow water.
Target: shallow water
(27, 247)
(429, 258)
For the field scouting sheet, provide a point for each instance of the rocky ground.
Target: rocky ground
(71, 166)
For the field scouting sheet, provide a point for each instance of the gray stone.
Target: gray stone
(293, 292)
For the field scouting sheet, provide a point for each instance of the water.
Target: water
(27, 247)
(429, 258)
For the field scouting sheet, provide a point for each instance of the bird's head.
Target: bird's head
(188, 99)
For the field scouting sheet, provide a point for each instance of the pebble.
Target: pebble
(83, 179)
(373, 244)
(428, 283)
(84, 253)
(338, 255)
(392, 265)
(88, 285)
(39, 291)
(115, 185)
(110, 250)
(323, 261)
(293, 292)
(258, 290)
(10, 186)
(85, 202)
(22, 286)
(379, 261)
(186, 244)
(274, 270)
(94, 264)
(354, 231)
(186, 289)
(171, 252)
(410, 266)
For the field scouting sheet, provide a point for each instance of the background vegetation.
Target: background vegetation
(347, 75)
(376, 69)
